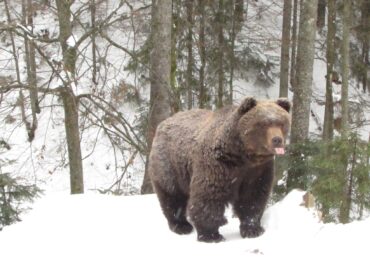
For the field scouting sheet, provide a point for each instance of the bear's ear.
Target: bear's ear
(247, 104)
(284, 103)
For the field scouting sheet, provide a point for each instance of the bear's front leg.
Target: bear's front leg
(251, 228)
(207, 216)
(251, 202)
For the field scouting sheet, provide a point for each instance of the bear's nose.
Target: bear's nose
(277, 141)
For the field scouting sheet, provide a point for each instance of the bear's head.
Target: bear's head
(263, 126)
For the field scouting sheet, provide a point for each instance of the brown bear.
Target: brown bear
(201, 161)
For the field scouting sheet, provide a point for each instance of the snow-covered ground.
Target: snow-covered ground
(92, 226)
(110, 227)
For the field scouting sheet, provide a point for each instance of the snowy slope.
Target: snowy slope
(107, 227)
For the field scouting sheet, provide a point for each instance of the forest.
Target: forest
(85, 83)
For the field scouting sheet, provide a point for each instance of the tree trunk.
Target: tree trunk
(294, 45)
(32, 62)
(202, 54)
(93, 42)
(70, 105)
(364, 179)
(302, 90)
(330, 59)
(220, 53)
(14, 50)
(239, 15)
(305, 59)
(27, 8)
(236, 26)
(285, 46)
(65, 32)
(232, 55)
(189, 46)
(345, 66)
(321, 14)
(69, 99)
(365, 36)
(344, 208)
(160, 72)
(176, 102)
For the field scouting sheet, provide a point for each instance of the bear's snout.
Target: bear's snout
(275, 137)
(277, 141)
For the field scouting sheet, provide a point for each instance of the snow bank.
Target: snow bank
(107, 227)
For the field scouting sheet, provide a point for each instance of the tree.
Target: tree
(13, 191)
(302, 90)
(70, 102)
(285, 46)
(294, 44)
(330, 59)
(236, 25)
(321, 14)
(27, 20)
(202, 54)
(160, 73)
(220, 53)
(93, 41)
(365, 39)
(305, 59)
(176, 89)
(12, 194)
(347, 194)
(189, 46)
(61, 75)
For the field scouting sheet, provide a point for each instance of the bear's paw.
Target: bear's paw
(251, 231)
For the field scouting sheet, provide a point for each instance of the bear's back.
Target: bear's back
(191, 125)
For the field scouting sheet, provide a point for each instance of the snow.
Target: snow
(71, 41)
(95, 226)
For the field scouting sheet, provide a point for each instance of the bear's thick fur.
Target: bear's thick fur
(201, 161)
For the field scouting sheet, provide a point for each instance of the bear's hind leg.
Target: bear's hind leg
(174, 209)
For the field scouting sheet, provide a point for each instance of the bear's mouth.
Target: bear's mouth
(269, 153)
(279, 151)
(260, 155)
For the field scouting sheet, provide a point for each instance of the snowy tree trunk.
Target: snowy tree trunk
(32, 63)
(202, 54)
(176, 102)
(70, 103)
(330, 59)
(321, 14)
(93, 41)
(285, 46)
(29, 50)
(305, 59)
(294, 44)
(189, 46)
(65, 32)
(365, 35)
(14, 50)
(236, 26)
(220, 55)
(160, 73)
(346, 200)
(302, 89)
(345, 65)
